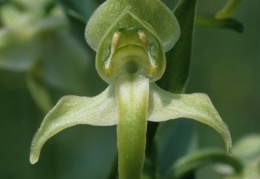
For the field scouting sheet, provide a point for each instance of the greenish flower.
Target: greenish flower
(131, 42)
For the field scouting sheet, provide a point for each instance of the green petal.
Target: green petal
(164, 106)
(144, 14)
(132, 93)
(73, 110)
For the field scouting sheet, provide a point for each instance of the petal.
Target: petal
(113, 15)
(132, 93)
(164, 106)
(73, 110)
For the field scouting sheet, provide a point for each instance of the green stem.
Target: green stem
(205, 20)
(190, 163)
(132, 92)
(229, 9)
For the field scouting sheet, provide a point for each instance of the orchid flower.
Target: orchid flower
(130, 39)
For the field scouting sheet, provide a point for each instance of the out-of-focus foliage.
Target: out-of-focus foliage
(35, 39)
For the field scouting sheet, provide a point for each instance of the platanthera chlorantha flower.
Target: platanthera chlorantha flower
(131, 38)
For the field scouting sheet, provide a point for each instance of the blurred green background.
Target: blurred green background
(225, 65)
